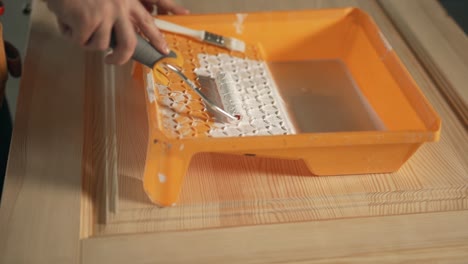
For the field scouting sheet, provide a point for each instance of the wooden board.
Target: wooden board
(223, 190)
(40, 207)
(62, 156)
(334, 241)
(439, 44)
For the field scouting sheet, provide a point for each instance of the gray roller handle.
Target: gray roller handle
(144, 52)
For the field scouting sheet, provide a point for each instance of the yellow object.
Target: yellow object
(347, 34)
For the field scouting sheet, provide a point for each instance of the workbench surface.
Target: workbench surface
(73, 191)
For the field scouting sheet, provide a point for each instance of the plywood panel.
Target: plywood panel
(223, 191)
(396, 239)
(40, 210)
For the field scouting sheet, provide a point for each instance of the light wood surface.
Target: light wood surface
(58, 202)
(40, 209)
(439, 43)
(333, 241)
(224, 190)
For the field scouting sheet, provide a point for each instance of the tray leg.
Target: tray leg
(165, 168)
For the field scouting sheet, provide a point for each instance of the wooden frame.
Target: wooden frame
(41, 214)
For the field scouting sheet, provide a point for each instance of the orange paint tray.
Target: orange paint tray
(325, 87)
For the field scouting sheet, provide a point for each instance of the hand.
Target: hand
(90, 23)
(164, 7)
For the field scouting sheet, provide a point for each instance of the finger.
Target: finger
(126, 41)
(101, 37)
(146, 24)
(170, 7)
(148, 6)
(83, 30)
(64, 29)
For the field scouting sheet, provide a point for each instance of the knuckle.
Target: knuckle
(121, 9)
(87, 20)
(147, 20)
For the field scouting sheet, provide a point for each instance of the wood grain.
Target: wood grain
(223, 190)
(394, 239)
(60, 137)
(439, 44)
(40, 210)
(100, 185)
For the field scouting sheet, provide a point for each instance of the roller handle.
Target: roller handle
(144, 52)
